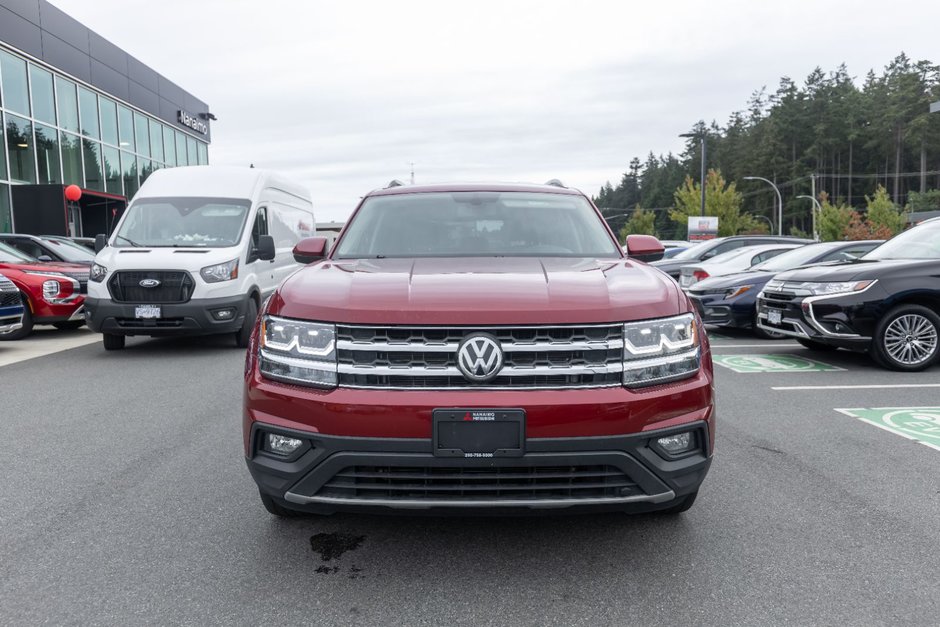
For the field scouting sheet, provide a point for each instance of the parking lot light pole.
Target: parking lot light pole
(779, 200)
(816, 209)
(701, 136)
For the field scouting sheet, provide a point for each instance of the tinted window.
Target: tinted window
(109, 123)
(129, 173)
(112, 170)
(849, 254)
(47, 154)
(68, 104)
(43, 96)
(8, 254)
(91, 153)
(181, 149)
(126, 128)
(156, 141)
(88, 106)
(13, 73)
(20, 149)
(796, 257)
(511, 224)
(723, 247)
(26, 246)
(69, 251)
(921, 242)
(169, 146)
(142, 132)
(6, 224)
(71, 159)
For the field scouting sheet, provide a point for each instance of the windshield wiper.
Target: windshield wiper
(129, 241)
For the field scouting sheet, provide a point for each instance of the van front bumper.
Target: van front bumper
(196, 317)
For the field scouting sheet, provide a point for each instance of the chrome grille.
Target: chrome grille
(465, 483)
(426, 357)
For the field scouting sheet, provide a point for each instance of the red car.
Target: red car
(478, 348)
(54, 293)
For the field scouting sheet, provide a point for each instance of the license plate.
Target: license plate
(147, 311)
(479, 433)
(685, 281)
(774, 317)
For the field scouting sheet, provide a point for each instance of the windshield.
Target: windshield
(693, 251)
(70, 251)
(921, 242)
(183, 222)
(480, 224)
(795, 258)
(8, 254)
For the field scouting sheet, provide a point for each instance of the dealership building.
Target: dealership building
(76, 109)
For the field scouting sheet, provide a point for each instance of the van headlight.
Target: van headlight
(302, 353)
(220, 272)
(97, 273)
(661, 350)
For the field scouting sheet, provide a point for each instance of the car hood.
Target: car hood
(506, 290)
(155, 257)
(733, 280)
(858, 270)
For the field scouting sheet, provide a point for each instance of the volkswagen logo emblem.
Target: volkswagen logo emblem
(149, 283)
(480, 357)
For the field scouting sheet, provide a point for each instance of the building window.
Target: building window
(126, 128)
(71, 159)
(169, 146)
(203, 153)
(40, 82)
(91, 153)
(112, 170)
(156, 141)
(6, 220)
(15, 90)
(68, 104)
(181, 149)
(88, 107)
(3, 152)
(20, 149)
(191, 151)
(47, 155)
(145, 167)
(109, 126)
(143, 134)
(129, 173)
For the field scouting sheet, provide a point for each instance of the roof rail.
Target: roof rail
(556, 183)
(394, 183)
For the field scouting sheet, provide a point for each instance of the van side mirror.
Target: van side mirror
(644, 248)
(101, 242)
(310, 249)
(265, 249)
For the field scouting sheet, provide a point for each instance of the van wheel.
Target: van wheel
(907, 338)
(113, 342)
(24, 330)
(276, 509)
(680, 505)
(243, 335)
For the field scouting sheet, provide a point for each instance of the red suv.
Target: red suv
(480, 348)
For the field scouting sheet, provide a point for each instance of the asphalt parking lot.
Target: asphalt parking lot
(128, 502)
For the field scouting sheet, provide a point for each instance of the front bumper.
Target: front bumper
(191, 318)
(716, 311)
(331, 473)
(11, 319)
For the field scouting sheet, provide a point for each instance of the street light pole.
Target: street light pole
(816, 209)
(701, 136)
(779, 200)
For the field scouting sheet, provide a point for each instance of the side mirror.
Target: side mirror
(44, 258)
(101, 242)
(644, 248)
(310, 249)
(265, 249)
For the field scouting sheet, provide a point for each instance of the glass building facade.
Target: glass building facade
(57, 130)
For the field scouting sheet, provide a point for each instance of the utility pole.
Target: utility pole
(701, 136)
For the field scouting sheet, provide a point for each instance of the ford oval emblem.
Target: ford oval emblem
(149, 283)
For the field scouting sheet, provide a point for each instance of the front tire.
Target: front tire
(113, 342)
(243, 335)
(907, 339)
(27, 327)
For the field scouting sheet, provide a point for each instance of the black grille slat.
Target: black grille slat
(458, 483)
(174, 287)
(10, 298)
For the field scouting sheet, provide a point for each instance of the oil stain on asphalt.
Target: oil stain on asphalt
(331, 546)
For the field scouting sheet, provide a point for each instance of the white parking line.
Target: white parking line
(891, 386)
(44, 341)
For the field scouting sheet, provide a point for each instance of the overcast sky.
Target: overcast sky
(343, 96)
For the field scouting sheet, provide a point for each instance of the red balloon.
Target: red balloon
(73, 193)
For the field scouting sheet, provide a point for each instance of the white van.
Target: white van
(196, 252)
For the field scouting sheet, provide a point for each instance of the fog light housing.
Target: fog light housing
(677, 444)
(281, 444)
(224, 314)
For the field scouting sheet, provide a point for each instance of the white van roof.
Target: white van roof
(214, 181)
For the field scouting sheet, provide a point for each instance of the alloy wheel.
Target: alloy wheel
(911, 339)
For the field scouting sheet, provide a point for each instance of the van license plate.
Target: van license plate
(146, 312)
(774, 317)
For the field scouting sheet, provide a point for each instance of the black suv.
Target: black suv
(717, 246)
(886, 302)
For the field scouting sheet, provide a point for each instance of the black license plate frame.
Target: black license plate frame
(479, 433)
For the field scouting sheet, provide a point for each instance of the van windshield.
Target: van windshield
(183, 222)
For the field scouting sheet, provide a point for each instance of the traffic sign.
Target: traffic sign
(746, 364)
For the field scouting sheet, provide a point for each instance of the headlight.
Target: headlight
(303, 353)
(734, 292)
(50, 289)
(97, 273)
(220, 272)
(659, 351)
(843, 287)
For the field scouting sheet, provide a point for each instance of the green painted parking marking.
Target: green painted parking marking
(921, 424)
(772, 363)
(716, 336)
